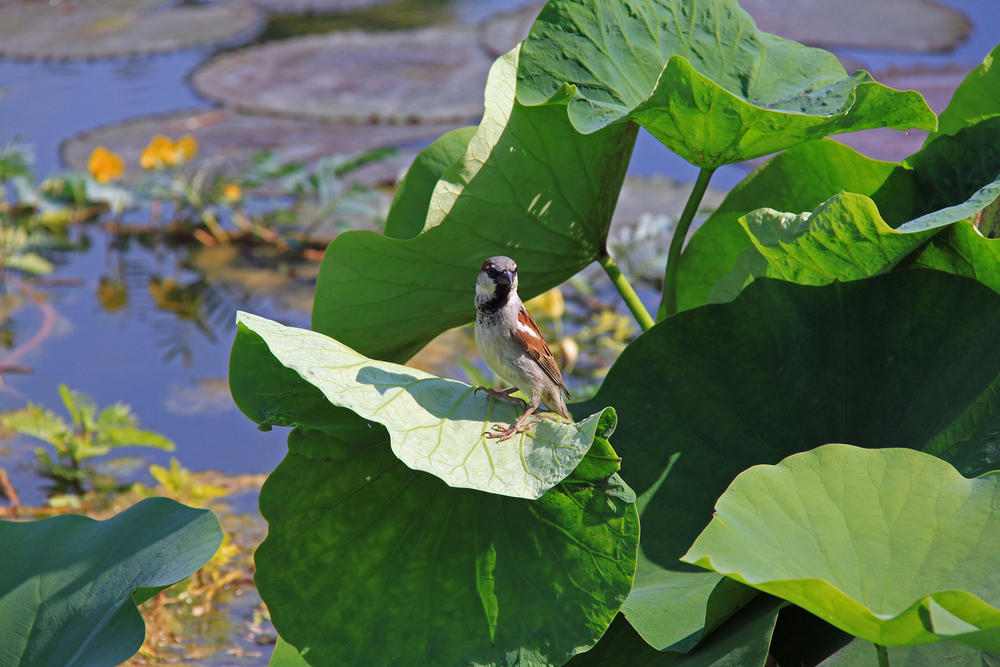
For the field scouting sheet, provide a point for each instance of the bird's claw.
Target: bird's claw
(505, 433)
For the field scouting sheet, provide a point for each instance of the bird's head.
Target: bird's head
(497, 279)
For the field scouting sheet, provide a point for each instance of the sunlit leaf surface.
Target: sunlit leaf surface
(893, 546)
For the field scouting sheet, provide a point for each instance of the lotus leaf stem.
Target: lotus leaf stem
(668, 305)
(883, 655)
(642, 316)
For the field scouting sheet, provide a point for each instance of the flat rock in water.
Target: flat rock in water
(499, 34)
(113, 28)
(231, 139)
(920, 26)
(420, 76)
(936, 84)
(892, 25)
(316, 6)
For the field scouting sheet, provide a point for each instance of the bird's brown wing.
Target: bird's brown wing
(527, 334)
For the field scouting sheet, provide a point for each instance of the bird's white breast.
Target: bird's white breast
(497, 346)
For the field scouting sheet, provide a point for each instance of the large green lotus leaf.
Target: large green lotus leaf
(885, 362)
(974, 100)
(861, 653)
(845, 238)
(800, 179)
(435, 424)
(948, 180)
(368, 562)
(69, 585)
(893, 546)
(968, 443)
(742, 641)
(701, 78)
(801, 638)
(956, 175)
(408, 212)
(529, 186)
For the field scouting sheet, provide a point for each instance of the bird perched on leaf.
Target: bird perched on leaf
(510, 342)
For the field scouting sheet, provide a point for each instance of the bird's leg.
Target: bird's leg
(503, 395)
(519, 427)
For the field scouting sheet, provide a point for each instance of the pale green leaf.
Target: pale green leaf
(435, 424)
(132, 436)
(82, 409)
(844, 239)
(892, 545)
(286, 655)
(37, 422)
(797, 180)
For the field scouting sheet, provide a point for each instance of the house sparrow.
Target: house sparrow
(509, 340)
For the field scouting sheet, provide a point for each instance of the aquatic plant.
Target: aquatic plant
(398, 534)
(201, 200)
(88, 435)
(70, 585)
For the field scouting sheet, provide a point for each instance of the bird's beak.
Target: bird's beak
(505, 278)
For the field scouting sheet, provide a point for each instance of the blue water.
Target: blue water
(121, 356)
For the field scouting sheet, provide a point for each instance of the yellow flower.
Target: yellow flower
(104, 165)
(231, 192)
(548, 304)
(185, 149)
(159, 153)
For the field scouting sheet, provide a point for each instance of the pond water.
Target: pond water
(169, 369)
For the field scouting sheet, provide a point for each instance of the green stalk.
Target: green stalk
(883, 655)
(631, 298)
(668, 305)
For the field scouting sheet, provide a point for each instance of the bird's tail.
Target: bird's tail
(556, 404)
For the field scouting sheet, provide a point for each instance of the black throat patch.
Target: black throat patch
(499, 299)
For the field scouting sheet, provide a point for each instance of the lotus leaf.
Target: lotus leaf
(435, 424)
(955, 175)
(369, 562)
(885, 362)
(951, 178)
(893, 546)
(844, 239)
(742, 641)
(701, 78)
(886, 25)
(409, 206)
(69, 585)
(116, 28)
(800, 179)
(548, 192)
(974, 101)
(429, 75)
(286, 655)
(861, 653)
